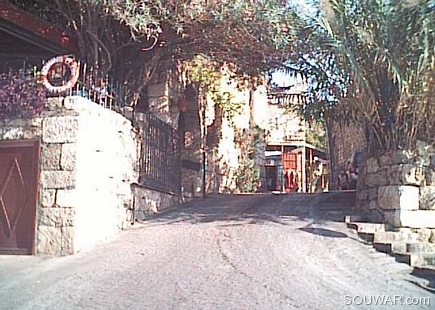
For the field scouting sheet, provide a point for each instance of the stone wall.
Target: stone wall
(148, 202)
(399, 187)
(163, 92)
(105, 158)
(344, 141)
(88, 164)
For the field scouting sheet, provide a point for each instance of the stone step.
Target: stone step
(395, 236)
(356, 216)
(420, 247)
(378, 255)
(397, 267)
(411, 218)
(394, 247)
(385, 260)
(416, 259)
(369, 228)
(366, 236)
(352, 218)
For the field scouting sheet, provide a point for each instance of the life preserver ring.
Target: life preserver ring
(71, 63)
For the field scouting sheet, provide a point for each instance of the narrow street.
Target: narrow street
(225, 252)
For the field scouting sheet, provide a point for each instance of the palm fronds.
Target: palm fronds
(385, 50)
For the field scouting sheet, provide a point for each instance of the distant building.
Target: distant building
(289, 157)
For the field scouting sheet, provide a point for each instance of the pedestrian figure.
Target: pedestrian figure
(316, 171)
(291, 179)
(102, 92)
(297, 182)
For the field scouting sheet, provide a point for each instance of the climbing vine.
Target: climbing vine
(207, 75)
(248, 173)
(215, 81)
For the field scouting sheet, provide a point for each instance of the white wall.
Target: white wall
(105, 168)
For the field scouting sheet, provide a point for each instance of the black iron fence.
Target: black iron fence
(99, 88)
(92, 84)
(160, 166)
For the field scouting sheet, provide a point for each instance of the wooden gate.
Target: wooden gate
(19, 173)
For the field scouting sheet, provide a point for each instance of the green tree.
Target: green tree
(316, 134)
(129, 39)
(252, 35)
(376, 66)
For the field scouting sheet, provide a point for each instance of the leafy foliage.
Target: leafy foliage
(21, 95)
(377, 68)
(208, 76)
(316, 134)
(248, 173)
(130, 39)
(104, 43)
(250, 34)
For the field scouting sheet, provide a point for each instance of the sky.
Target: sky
(283, 80)
(280, 78)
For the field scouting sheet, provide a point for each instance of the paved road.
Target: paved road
(226, 252)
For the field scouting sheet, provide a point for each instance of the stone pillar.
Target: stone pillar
(56, 216)
(163, 93)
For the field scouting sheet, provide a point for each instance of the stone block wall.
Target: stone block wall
(105, 158)
(55, 218)
(89, 161)
(344, 141)
(163, 90)
(399, 187)
(148, 202)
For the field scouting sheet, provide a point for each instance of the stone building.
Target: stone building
(287, 147)
(223, 154)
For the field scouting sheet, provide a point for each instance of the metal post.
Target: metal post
(282, 170)
(204, 158)
(304, 171)
(203, 129)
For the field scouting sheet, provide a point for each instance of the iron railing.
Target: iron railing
(92, 83)
(100, 88)
(160, 166)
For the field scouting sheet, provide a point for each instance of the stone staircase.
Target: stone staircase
(404, 244)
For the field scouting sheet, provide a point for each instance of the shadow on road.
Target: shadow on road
(426, 274)
(234, 210)
(324, 232)
(228, 211)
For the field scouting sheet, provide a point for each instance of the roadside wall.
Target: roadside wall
(89, 166)
(106, 156)
(399, 187)
(57, 130)
(344, 141)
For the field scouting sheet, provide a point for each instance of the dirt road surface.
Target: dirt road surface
(225, 252)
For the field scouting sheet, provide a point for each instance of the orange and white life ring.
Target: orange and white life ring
(71, 63)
